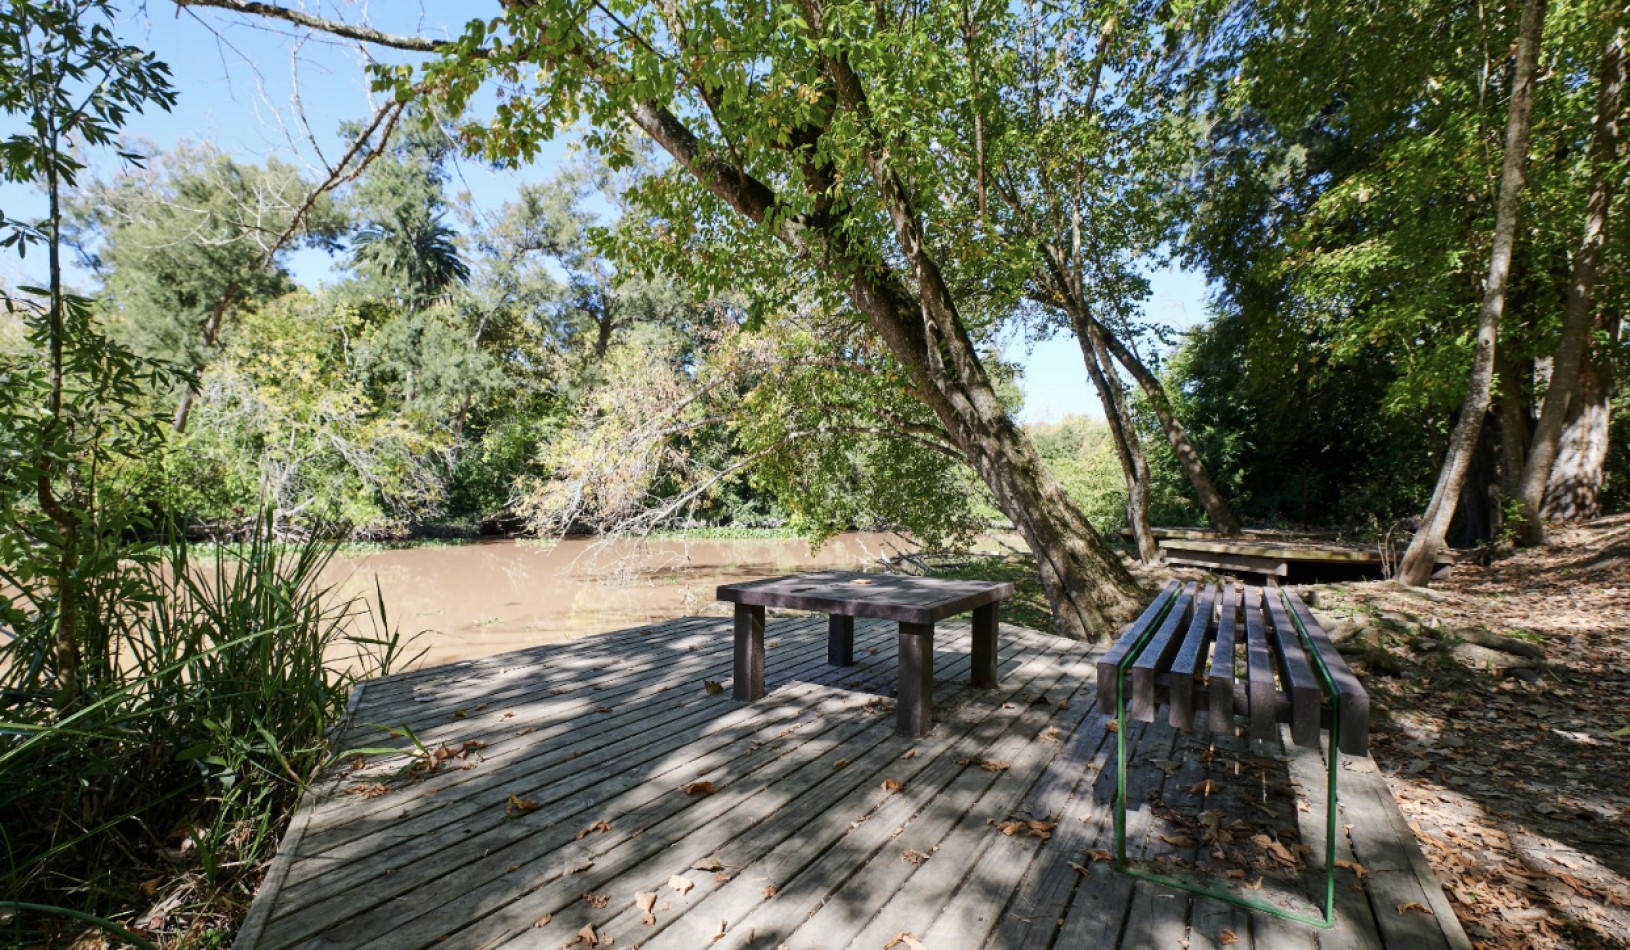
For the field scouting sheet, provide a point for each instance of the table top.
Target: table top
(883, 596)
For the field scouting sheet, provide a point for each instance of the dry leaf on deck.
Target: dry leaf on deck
(1408, 906)
(524, 730)
(1028, 829)
(597, 826)
(712, 688)
(586, 937)
(769, 891)
(1207, 787)
(597, 901)
(371, 790)
(1099, 854)
(910, 755)
(708, 864)
(680, 884)
(905, 939)
(1112, 725)
(645, 901)
(578, 867)
(1355, 867)
(890, 785)
(544, 920)
(1227, 937)
(1077, 868)
(840, 763)
(604, 709)
(698, 788)
(914, 858)
(518, 805)
(720, 935)
(508, 715)
(989, 765)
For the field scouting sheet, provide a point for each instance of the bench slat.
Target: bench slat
(1108, 688)
(1263, 691)
(1222, 661)
(1297, 672)
(1156, 656)
(1355, 701)
(1189, 658)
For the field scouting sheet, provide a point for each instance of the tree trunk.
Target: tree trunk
(1134, 467)
(1421, 558)
(1216, 508)
(1576, 314)
(212, 332)
(1513, 426)
(1574, 489)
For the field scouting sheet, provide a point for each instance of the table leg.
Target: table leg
(840, 640)
(984, 647)
(914, 709)
(749, 672)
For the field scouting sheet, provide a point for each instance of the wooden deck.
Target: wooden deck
(806, 841)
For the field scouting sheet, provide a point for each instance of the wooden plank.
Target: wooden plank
(1272, 567)
(1263, 693)
(1354, 927)
(541, 851)
(1156, 656)
(899, 597)
(777, 851)
(1355, 699)
(1221, 717)
(1108, 689)
(1190, 658)
(1300, 682)
(735, 835)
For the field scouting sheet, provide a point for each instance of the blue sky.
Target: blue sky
(239, 79)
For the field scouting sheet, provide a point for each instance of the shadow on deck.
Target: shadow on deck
(824, 829)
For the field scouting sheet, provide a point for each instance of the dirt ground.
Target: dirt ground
(1517, 782)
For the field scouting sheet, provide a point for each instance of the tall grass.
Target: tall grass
(170, 779)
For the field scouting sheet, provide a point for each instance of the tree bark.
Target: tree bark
(1574, 489)
(1216, 507)
(1513, 428)
(1422, 555)
(1134, 467)
(1576, 314)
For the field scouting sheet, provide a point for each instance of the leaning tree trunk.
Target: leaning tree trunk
(1216, 507)
(1134, 467)
(1422, 555)
(1574, 490)
(1576, 313)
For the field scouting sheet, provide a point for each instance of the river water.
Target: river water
(474, 600)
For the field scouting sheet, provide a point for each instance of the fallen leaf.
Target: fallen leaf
(1207, 787)
(1077, 868)
(906, 939)
(1100, 854)
(508, 715)
(910, 755)
(891, 786)
(1355, 867)
(597, 901)
(769, 891)
(680, 884)
(914, 858)
(708, 864)
(597, 826)
(1178, 840)
(519, 806)
(586, 936)
(720, 935)
(524, 730)
(1227, 937)
(604, 709)
(1112, 725)
(1408, 906)
(1053, 734)
(1028, 829)
(840, 763)
(698, 788)
(544, 920)
(371, 790)
(578, 867)
(646, 901)
(989, 765)
(461, 714)
(712, 688)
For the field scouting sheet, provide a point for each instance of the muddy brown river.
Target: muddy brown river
(474, 600)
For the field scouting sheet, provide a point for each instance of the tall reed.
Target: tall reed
(214, 690)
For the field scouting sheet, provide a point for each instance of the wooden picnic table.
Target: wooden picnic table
(916, 603)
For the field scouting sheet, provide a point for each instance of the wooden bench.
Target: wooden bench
(1250, 654)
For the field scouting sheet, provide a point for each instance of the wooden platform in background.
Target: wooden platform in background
(814, 845)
